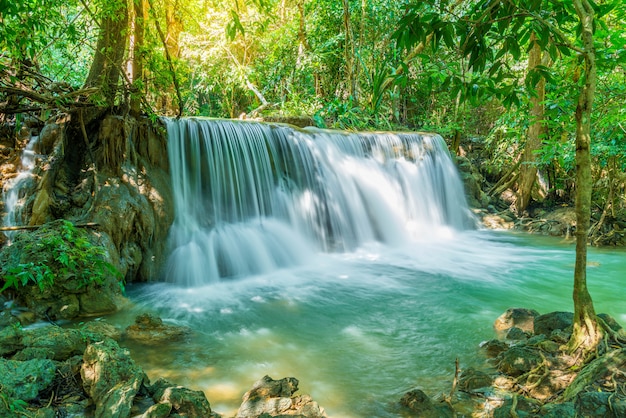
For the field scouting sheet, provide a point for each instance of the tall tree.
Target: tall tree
(528, 168)
(106, 66)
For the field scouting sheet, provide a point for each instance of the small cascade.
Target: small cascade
(15, 190)
(253, 197)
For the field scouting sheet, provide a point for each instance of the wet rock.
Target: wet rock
(560, 410)
(24, 380)
(547, 323)
(276, 398)
(110, 378)
(516, 334)
(10, 340)
(159, 410)
(472, 379)
(601, 404)
(518, 360)
(522, 406)
(150, 329)
(103, 329)
(48, 137)
(179, 400)
(51, 342)
(493, 348)
(422, 406)
(521, 318)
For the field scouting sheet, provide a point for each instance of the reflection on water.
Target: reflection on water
(359, 329)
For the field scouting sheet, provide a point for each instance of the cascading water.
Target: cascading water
(252, 197)
(14, 192)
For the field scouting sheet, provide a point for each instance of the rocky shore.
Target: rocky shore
(51, 371)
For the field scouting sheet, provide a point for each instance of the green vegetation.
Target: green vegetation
(60, 252)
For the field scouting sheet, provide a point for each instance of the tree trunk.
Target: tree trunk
(349, 51)
(137, 77)
(106, 66)
(528, 169)
(586, 333)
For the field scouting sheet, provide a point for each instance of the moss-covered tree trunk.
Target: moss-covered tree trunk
(586, 333)
(528, 169)
(106, 67)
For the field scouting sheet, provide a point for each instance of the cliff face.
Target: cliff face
(112, 171)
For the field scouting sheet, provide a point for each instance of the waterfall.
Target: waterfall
(15, 190)
(253, 197)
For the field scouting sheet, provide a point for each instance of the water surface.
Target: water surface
(359, 329)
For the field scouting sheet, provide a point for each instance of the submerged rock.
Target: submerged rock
(269, 397)
(150, 329)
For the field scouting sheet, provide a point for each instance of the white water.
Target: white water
(14, 192)
(251, 198)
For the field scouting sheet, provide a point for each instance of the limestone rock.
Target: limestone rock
(518, 360)
(150, 329)
(560, 410)
(493, 348)
(601, 404)
(422, 406)
(180, 400)
(10, 340)
(524, 408)
(269, 397)
(159, 410)
(103, 329)
(521, 318)
(516, 334)
(472, 379)
(51, 342)
(24, 380)
(110, 378)
(547, 323)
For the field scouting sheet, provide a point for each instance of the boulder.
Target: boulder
(601, 404)
(524, 408)
(516, 334)
(110, 378)
(150, 329)
(558, 410)
(471, 379)
(422, 406)
(24, 380)
(493, 348)
(269, 397)
(521, 318)
(518, 360)
(51, 342)
(547, 323)
(179, 400)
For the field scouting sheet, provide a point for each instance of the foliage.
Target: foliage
(61, 252)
